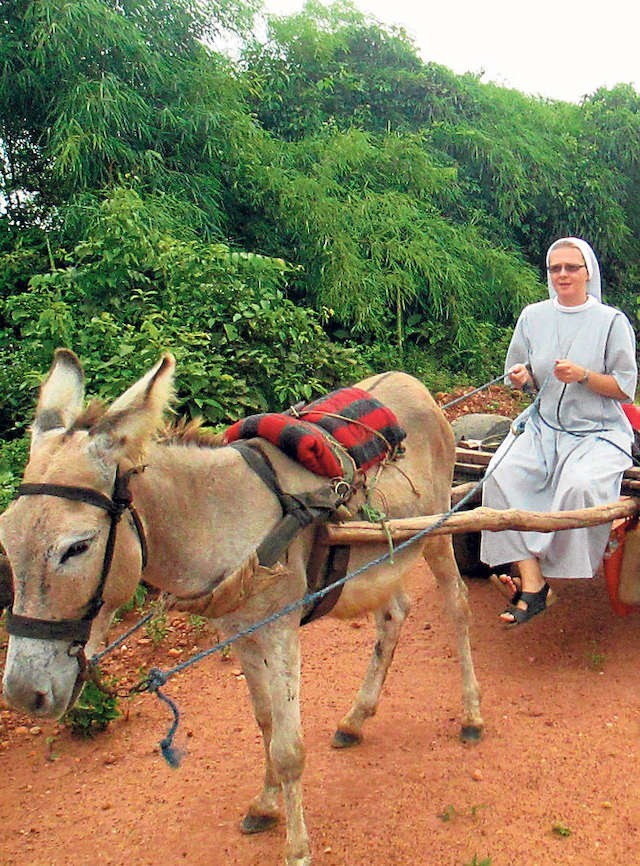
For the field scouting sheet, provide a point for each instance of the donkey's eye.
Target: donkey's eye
(74, 549)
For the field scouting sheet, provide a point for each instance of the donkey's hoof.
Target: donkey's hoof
(471, 733)
(345, 739)
(257, 823)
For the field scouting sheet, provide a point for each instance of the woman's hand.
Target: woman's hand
(604, 384)
(520, 376)
(566, 371)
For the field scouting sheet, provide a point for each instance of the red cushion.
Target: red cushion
(367, 429)
(300, 441)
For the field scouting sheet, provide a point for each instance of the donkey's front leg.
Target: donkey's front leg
(271, 664)
(263, 811)
(287, 748)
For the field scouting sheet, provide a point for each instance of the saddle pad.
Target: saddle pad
(366, 429)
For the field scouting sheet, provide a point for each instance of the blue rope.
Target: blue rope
(475, 391)
(116, 643)
(158, 678)
(172, 756)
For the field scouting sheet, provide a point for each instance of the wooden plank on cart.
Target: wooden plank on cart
(471, 465)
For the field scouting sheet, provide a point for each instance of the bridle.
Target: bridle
(77, 630)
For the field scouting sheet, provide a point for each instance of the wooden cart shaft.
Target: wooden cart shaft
(473, 463)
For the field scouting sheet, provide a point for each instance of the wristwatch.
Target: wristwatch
(585, 378)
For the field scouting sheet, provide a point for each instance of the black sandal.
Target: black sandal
(537, 602)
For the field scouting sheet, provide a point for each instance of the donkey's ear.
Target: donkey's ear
(61, 394)
(130, 422)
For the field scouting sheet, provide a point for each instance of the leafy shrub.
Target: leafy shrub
(93, 712)
(157, 627)
(129, 292)
(13, 457)
(136, 602)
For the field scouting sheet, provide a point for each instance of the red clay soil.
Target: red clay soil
(494, 400)
(555, 781)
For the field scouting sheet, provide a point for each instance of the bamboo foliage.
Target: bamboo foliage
(399, 208)
(128, 91)
(368, 215)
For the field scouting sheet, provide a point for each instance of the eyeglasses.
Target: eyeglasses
(570, 269)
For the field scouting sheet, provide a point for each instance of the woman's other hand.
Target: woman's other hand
(566, 371)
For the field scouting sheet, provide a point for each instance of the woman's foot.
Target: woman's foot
(508, 585)
(528, 605)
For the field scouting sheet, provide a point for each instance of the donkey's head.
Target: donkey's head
(71, 570)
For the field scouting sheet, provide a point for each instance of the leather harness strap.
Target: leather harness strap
(327, 564)
(299, 510)
(78, 630)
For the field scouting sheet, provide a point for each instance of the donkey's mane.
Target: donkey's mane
(180, 432)
(190, 433)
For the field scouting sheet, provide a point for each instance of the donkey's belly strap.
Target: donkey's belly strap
(327, 565)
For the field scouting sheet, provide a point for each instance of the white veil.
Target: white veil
(590, 260)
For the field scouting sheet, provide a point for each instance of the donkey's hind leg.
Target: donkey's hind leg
(438, 552)
(389, 621)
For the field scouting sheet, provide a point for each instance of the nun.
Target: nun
(573, 444)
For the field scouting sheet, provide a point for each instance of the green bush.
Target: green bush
(129, 292)
(13, 458)
(93, 712)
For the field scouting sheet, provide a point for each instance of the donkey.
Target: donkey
(196, 515)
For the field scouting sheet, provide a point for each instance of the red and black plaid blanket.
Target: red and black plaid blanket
(366, 429)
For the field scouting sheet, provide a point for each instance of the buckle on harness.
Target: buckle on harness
(342, 489)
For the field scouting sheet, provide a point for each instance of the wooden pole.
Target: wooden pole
(356, 531)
